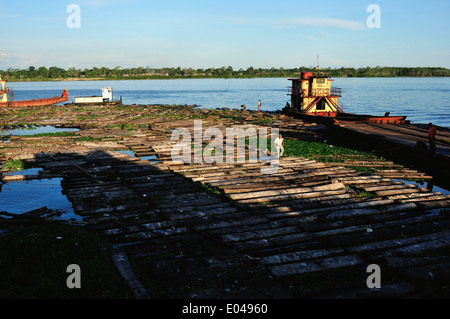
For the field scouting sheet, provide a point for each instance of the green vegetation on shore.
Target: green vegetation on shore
(56, 73)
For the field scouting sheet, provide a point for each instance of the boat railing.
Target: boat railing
(316, 92)
(336, 91)
(325, 92)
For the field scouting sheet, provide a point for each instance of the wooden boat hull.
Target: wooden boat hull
(107, 103)
(112, 103)
(38, 102)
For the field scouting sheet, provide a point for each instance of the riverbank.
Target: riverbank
(72, 74)
(160, 77)
(225, 230)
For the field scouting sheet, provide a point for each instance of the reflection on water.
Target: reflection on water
(24, 196)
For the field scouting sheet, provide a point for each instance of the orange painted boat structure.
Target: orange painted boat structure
(37, 102)
(7, 98)
(314, 99)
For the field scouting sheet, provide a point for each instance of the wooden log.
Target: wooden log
(349, 213)
(392, 244)
(347, 230)
(300, 256)
(254, 187)
(434, 204)
(259, 234)
(417, 197)
(400, 262)
(278, 177)
(271, 242)
(388, 187)
(285, 197)
(123, 265)
(246, 195)
(400, 191)
(251, 220)
(421, 248)
(316, 265)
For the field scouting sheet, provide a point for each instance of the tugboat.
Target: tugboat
(313, 98)
(7, 98)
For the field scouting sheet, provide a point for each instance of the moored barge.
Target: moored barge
(7, 98)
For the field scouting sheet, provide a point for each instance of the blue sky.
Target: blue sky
(211, 33)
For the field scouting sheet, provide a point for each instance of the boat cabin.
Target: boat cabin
(107, 96)
(313, 94)
(4, 91)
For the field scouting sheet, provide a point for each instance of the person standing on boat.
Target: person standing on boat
(432, 137)
(279, 145)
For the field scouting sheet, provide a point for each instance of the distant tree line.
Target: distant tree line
(55, 73)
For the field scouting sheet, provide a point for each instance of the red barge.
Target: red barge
(313, 99)
(7, 98)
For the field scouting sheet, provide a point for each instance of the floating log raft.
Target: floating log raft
(225, 230)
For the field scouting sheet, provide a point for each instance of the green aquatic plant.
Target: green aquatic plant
(87, 139)
(16, 165)
(51, 134)
(329, 152)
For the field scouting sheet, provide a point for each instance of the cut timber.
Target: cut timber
(300, 256)
(284, 197)
(123, 265)
(362, 212)
(288, 191)
(316, 265)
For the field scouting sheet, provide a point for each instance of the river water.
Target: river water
(422, 100)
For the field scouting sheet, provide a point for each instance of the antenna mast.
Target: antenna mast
(318, 66)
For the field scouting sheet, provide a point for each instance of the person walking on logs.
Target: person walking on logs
(279, 145)
(432, 137)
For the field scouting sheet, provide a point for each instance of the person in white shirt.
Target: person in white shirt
(279, 145)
